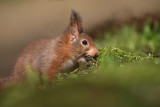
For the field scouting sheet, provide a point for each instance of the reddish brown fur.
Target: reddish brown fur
(54, 55)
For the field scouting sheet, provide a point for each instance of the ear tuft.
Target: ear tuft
(76, 23)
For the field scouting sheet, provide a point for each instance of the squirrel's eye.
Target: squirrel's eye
(84, 42)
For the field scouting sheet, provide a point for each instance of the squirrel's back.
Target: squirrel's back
(39, 54)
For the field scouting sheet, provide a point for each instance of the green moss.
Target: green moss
(120, 56)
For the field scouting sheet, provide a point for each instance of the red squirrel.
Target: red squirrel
(59, 54)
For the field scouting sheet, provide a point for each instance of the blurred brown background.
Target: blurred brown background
(21, 22)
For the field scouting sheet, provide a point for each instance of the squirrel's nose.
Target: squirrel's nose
(92, 52)
(96, 51)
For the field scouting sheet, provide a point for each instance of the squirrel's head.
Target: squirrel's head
(81, 44)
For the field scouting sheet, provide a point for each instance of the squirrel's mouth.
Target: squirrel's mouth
(89, 58)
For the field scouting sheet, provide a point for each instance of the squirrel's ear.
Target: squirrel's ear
(75, 25)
